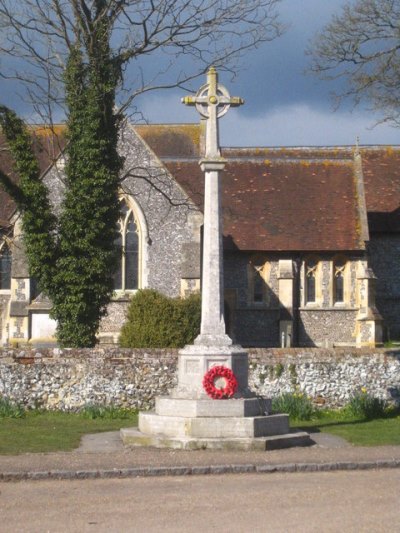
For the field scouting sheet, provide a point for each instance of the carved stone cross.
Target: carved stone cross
(212, 101)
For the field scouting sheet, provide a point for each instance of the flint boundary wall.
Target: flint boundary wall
(68, 379)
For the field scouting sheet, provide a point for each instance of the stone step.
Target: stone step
(133, 437)
(213, 427)
(167, 406)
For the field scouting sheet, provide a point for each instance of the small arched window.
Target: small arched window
(339, 267)
(5, 268)
(258, 272)
(311, 267)
(258, 285)
(126, 276)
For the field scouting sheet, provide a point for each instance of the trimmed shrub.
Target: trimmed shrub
(296, 404)
(363, 405)
(156, 321)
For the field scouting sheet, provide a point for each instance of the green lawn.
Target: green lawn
(378, 432)
(57, 431)
(53, 431)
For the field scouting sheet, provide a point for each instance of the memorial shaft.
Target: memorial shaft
(212, 101)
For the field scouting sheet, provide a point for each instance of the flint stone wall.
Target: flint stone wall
(68, 379)
(384, 251)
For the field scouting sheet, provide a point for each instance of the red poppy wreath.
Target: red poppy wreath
(213, 375)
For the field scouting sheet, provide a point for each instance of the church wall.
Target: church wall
(257, 327)
(321, 323)
(324, 322)
(170, 263)
(4, 319)
(111, 324)
(72, 378)
(322, 327)
(170, 230)
(170, 226)
(384, 257)
(171, 220)
(253, 323)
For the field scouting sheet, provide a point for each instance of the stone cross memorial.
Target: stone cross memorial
(213, 346)
(212, 102)
(191, 418)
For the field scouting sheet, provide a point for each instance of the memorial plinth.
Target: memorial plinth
(195, 361)
(193, 424)
(188, 418)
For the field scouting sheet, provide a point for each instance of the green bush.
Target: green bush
(296, 404)
(363, 405)
(156, 321)
(9, 409)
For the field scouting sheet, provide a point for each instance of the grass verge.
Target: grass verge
(51, 431)
(357, 431)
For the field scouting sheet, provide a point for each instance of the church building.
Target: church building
(311, 238)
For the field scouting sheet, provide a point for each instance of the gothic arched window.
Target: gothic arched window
(126, 276)
(311, 267)
(258, 273)
(258, 286)
(5, 268)
(339, 267)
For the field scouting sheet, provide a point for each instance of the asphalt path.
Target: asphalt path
(357, 501)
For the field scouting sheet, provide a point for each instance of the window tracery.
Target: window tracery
(339, 270)
(126, 277)
(311, 267)
(258, 285)
(258, 279)
(5, 267)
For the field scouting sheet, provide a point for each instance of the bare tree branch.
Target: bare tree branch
(362, 46)
(185, 37)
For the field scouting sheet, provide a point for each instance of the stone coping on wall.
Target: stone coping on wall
(322, 355)
(259, 355)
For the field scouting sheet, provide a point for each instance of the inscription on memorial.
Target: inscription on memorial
(191, 366)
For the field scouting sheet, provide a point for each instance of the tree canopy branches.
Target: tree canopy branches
(187, 37)
(362, 45)
(75, 54)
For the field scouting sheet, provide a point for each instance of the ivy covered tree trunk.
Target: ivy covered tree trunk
(74, 258)
(87, 259)
(31, 196)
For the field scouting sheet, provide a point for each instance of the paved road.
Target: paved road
(359, 501)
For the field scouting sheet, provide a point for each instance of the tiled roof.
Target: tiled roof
(277, 205)
(47, 146)
(381, 169)
(274, 199)
(172, 140)
(289, 198)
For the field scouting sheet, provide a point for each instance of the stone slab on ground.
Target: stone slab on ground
(105, 442)
(134, 437)
(213, 427)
